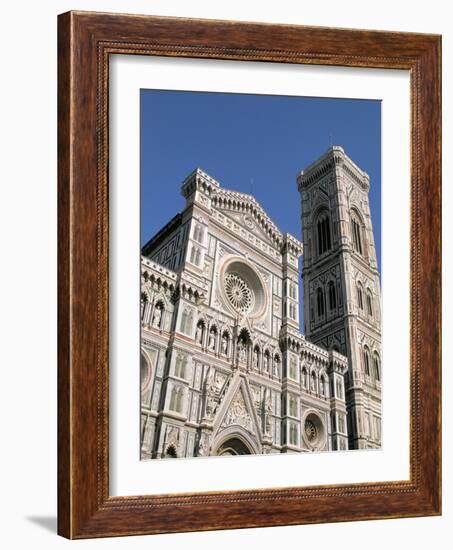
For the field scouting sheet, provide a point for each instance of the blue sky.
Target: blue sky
(250, 143)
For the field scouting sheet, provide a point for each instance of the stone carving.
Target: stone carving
(238, 413)
(157, 316)
(268, 411)
(238, 292)
(225, 344)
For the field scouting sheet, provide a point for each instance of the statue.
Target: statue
(242, 351)
(256, 357)
(210, 392)
(212, 339)
(268, 411)
(225, 344)
(266, 362)
(199, 333)
(157, 317)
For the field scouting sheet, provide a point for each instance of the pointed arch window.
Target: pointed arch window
(323, 233)
(176, 399)
(377, 367)
(180, 365)
(369, 301)
(332, 296)
(366, 361)
(186, 321)
(360, 296)
(195, 255)
(292, 408)
(198, 233)
(320, 302)
(293, 368)
(356, 234)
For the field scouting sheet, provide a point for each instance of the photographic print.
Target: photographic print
(260, 274)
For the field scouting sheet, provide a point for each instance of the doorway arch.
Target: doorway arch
(233, 446)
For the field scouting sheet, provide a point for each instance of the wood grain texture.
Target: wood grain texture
(85, 42)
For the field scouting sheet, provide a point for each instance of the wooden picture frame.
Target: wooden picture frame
(85, 42)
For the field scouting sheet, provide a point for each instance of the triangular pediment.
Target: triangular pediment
(251, 225)
(245, 210)
(237, 408)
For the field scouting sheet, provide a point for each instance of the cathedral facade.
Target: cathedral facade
(225, 369)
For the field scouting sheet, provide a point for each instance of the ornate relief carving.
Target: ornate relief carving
(238, 413)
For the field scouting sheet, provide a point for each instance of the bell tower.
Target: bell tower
(342, 297)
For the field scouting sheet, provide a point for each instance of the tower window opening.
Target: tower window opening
(324, 238)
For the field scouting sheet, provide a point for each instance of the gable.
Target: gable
(237, 409)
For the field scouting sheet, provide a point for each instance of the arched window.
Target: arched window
(366, 361)
(377, 367)
(293, 368)
(323, 233)
(180, 365)
(195, 255)
(186, 321)
(369, 302)
(360, 296)
(332, 296)
(176, 399)
(198, 233)
(356, 228)
(292, 405)
(320, 302)
(158, 314)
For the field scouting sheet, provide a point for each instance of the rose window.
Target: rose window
(314, 432)
(311, 431)
(238, 292)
